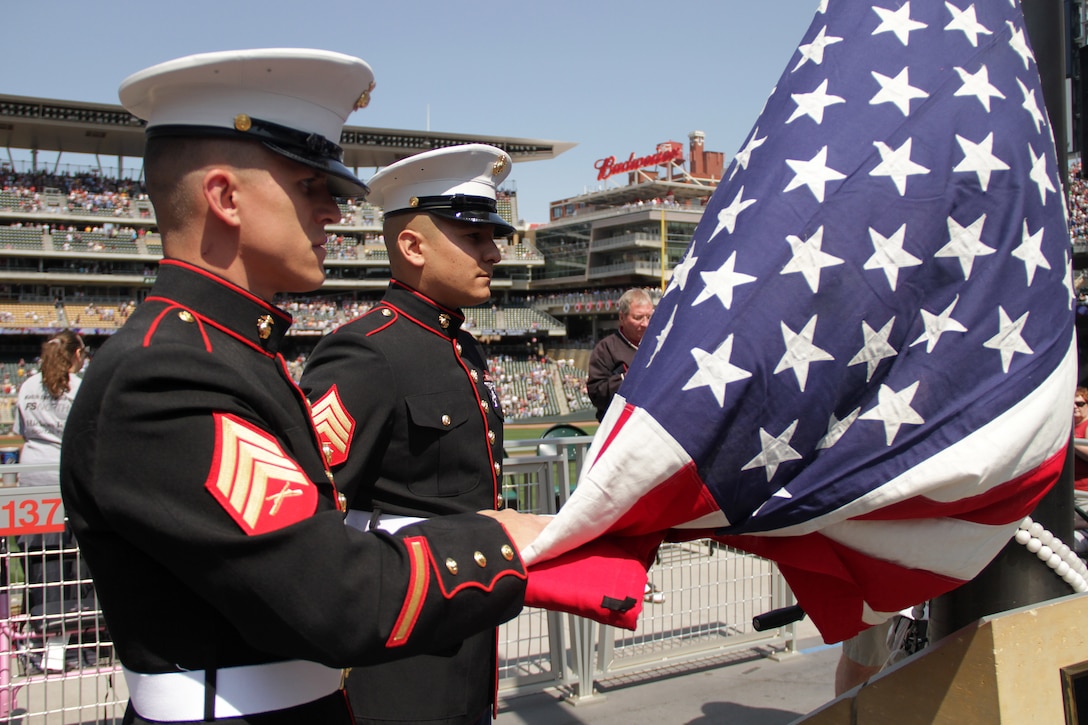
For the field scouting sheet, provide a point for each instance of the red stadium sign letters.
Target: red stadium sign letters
(668, 152)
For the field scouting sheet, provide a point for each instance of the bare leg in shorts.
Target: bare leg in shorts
(863, 655)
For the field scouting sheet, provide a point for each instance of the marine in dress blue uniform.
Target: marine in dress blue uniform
(191, 471)
(408, 413)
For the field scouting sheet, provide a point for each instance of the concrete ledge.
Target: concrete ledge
(1005, 668)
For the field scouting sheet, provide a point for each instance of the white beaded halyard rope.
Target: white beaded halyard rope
(1055, 554)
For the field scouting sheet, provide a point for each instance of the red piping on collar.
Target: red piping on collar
(227, 283)
(428, 300)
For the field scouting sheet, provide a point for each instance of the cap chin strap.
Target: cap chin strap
(469, 212)
(313, 145)
(310, 149)
(456, 202)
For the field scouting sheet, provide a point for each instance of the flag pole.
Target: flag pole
(1016, 577)
(664, 249)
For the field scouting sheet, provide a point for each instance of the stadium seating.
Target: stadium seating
(526, 387)
(519, 251)
(29, 238)
(9, 201)
(523, 318)
(85, 217)
(1078, 209)
(97, 242)
(574, 386)
(18, 315)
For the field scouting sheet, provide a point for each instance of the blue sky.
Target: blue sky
(614, 77)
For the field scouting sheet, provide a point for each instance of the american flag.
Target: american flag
(863, 365)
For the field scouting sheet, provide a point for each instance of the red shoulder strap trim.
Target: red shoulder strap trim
(171, 307)
(391, 319)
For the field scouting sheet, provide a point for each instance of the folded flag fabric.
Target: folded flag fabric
(863, 365)
(603, 580)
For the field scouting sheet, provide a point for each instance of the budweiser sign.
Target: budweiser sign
(667, 152)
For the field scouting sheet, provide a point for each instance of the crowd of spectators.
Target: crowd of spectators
(353, 212)
(524, 386)
(83, 192)
(340, 247)
(574, 385)
(108, 315)
(89, 191)
(528, 386)
(93, 239)
(669, 202)
(72, 238)
(585, 300)
(1078, 204)
(323, 314)
(295, 366)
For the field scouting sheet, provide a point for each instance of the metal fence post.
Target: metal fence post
(582, 648)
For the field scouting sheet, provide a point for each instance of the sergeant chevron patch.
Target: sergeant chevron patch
(334, 426)
(251, 477)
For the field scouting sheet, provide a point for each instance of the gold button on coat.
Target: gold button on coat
(451, 566)
(491, 436)
(507, 552)
(475, 376)
(483, 405)
(386, 312)
(444, 321)
(446, 421)
(185, 316)
(457, 347)
(498, 469)
(481, 560)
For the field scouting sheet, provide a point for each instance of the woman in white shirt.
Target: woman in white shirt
(43, 405)
(58, 585)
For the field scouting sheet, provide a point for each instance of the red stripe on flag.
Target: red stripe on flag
(625, 415)
(679, 499)
(1003, 504)
(831, 581)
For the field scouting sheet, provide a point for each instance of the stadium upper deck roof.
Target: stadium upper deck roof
(109, 130)
(642, 190)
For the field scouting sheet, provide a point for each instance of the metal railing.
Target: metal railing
(702, 599)
(57, 662)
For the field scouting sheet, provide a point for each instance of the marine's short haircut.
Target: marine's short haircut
(169, 160)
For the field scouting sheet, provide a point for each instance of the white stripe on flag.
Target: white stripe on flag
(639, 458)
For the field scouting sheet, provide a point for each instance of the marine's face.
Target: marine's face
(459, 260)
(285, 208)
